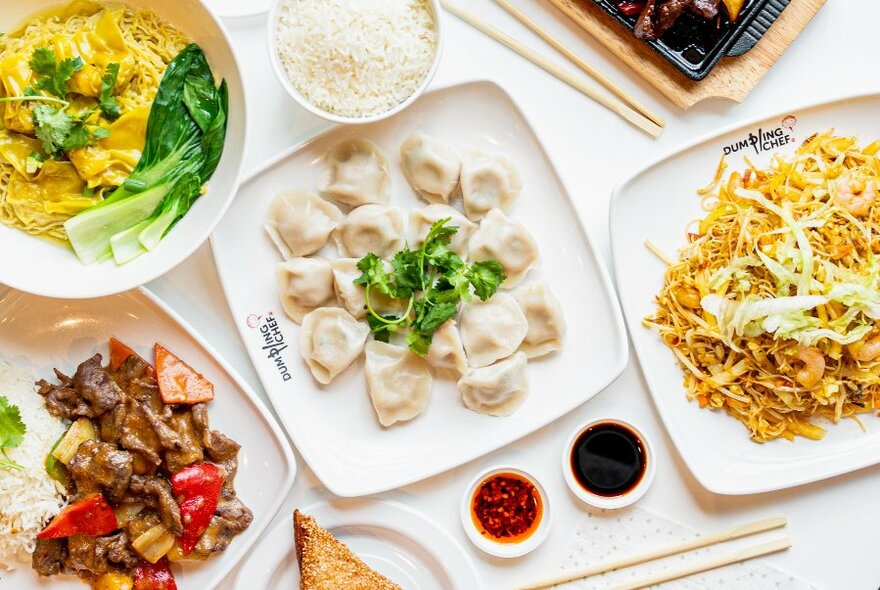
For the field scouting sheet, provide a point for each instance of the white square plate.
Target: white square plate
(335, 428)
(45, 333)
(658, 203)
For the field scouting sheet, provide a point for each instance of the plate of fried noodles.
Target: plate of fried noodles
(122, 132)
(752, 294)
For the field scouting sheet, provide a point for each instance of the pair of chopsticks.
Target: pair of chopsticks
(738, 532)
(624, 105)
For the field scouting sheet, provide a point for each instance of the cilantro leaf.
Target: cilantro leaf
(433, 278)
(52, 127)
(108, 103)
(61, 132)
(382, 330)
(486, 276)
(435, 316)
(12, 429)
(407, 275)
(373, 274)
(81, 135)
(418, 343)
(53, 75)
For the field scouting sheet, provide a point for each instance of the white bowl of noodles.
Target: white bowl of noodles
(50, 267)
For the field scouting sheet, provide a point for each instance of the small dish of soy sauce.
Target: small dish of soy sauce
(608, 463)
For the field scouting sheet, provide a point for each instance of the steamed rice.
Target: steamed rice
(356, 58)
(28, 498)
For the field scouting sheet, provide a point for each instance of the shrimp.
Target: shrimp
(853, 196)
(814, 367)
(865, 350)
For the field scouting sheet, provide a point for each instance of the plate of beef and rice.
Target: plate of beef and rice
(124, 460)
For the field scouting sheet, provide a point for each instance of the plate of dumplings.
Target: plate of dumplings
(368, 415)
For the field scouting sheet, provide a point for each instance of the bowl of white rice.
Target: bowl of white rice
(355, 61)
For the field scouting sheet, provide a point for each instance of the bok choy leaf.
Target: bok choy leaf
(184, 141)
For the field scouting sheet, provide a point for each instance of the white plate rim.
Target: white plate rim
(277, 434)
(357, 489)
(633, 324)
(368, 511)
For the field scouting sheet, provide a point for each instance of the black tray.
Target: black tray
(713, 43)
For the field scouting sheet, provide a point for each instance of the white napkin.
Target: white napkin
(605, 534)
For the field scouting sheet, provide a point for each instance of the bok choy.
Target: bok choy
(186, 131)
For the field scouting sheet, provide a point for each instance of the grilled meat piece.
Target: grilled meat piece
(707, 9)
(90, 393)
(656, 19)
(94, 385)
(218, 446)
(101, 467)
(48, 556)
(190, 450)
(230, 519)
(99, 555)
(156, 493)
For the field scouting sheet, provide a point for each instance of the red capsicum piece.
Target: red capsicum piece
(631, 8)
(197, 489)
(90, 516)
(154, 576)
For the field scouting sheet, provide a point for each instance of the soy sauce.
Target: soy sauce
(608, 459)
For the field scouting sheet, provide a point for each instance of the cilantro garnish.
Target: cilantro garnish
(12, 431)
(109, 104)
(53, 76)
(61, 132)
(432, 279)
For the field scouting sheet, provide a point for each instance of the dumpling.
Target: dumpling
(399, 382)
(546, 321)
(497, 390)
(305, 284)
(507, 241)
(431, 167)
(356, 173)
(492, 330)
(421, 220)
(330, 340)
(353, 297)
(488, 181)
(370, 228)
(300, 222)
(446, 350)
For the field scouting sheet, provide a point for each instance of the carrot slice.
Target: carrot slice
(178, 382)
(119, 353)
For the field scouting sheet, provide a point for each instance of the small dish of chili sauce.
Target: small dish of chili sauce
(505, 512)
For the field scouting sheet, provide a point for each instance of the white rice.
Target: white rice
(356, 58)
(28, 498)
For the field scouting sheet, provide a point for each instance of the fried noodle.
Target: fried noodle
(778, 278)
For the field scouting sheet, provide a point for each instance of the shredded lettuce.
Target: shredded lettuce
(805, 250)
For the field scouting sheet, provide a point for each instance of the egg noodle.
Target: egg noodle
(772, 308)
(142, 44)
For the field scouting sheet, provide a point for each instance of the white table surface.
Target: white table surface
(833, 523)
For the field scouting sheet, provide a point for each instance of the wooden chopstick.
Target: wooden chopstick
(709, 564)
(611, 103)
(738, 532)
(579, 61)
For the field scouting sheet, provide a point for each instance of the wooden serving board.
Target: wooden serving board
(733, 78)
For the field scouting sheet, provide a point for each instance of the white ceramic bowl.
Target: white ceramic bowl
(506, 550)
(609, 502)
(304, 102)
(47, 268)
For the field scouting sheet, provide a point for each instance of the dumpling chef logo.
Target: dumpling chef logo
(764, 140)
(273, 343)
